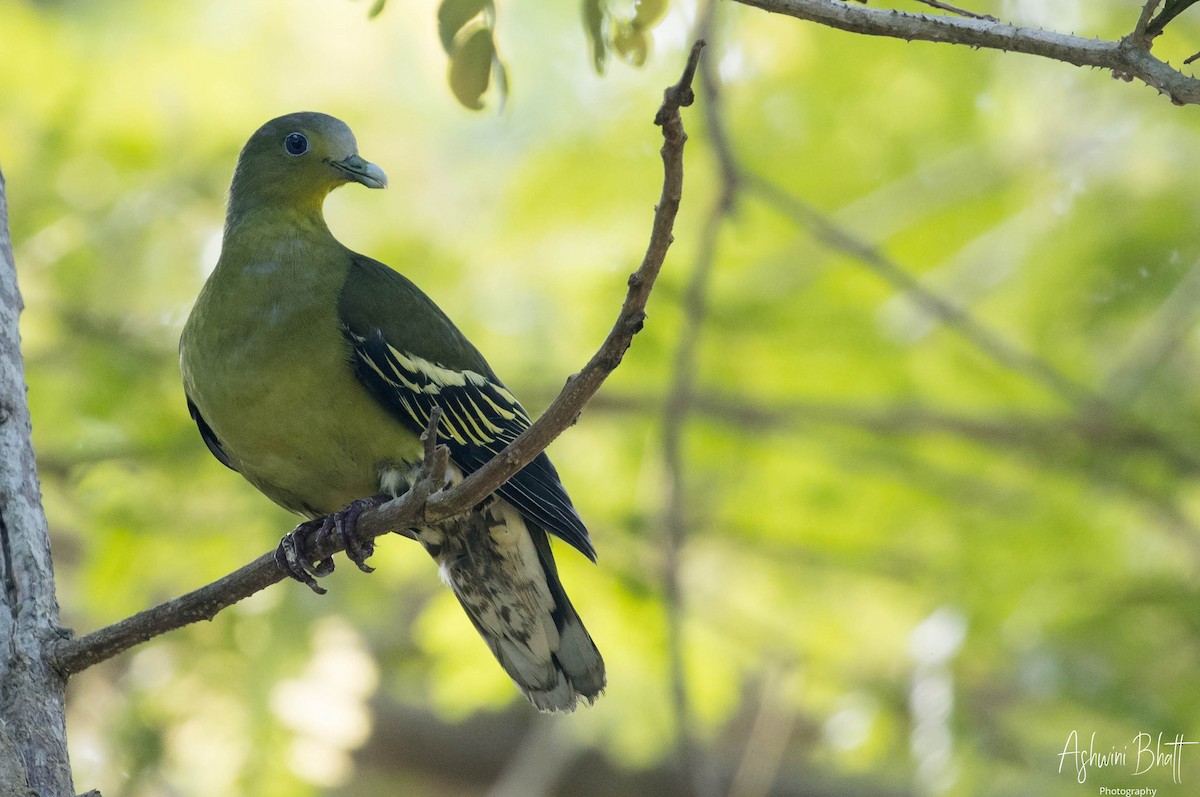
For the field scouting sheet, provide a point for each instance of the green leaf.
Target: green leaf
(648, 13)
(376, 9)
(593, 22)
(630, 43)
(471, 66)
(453, 16)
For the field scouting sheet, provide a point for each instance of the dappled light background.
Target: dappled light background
(917, 450)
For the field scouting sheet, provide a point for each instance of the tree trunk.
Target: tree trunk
(33, 736)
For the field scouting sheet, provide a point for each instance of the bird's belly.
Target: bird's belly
(302, 429)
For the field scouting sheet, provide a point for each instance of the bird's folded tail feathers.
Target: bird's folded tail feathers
(502, 571)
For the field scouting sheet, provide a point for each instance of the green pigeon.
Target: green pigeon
(312, 371)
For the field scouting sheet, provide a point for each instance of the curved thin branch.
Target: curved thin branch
(424, 503)
(1128, 58)
(1171, 9)
(1142, 28)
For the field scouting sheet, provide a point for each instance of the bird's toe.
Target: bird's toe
(346, 525)
(292, 559)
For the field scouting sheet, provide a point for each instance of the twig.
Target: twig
(1171, 9)
(1140, 30)
(956, 10)
(426, 502)
(1126, 59)
(435, 460)
(1147, 29)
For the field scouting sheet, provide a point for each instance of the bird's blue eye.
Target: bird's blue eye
(295, 144)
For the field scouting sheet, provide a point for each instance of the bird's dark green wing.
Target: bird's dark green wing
(412, 358)
(209, 437)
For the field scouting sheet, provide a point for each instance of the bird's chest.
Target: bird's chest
(254, 345)
(272, 377)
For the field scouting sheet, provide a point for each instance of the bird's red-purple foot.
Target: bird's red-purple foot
(291, 555)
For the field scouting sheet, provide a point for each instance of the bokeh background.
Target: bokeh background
(897, 489)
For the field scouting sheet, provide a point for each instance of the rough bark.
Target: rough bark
(33, 737)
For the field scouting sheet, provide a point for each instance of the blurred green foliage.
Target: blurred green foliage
(467, 29)
(911, 562)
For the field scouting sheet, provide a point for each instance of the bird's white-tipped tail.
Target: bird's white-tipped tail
(503, 573)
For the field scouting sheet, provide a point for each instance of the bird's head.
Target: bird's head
(294, 161)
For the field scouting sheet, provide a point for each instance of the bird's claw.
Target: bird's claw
(292, 560)
(290, 557)
(345, 524)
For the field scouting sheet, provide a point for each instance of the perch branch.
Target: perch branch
(1127, 58)
(426, 502)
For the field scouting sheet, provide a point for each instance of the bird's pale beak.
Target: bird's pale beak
(361, 171)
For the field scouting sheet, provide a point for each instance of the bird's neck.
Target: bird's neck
(249, 225)
(273, 248)
(253, 195)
